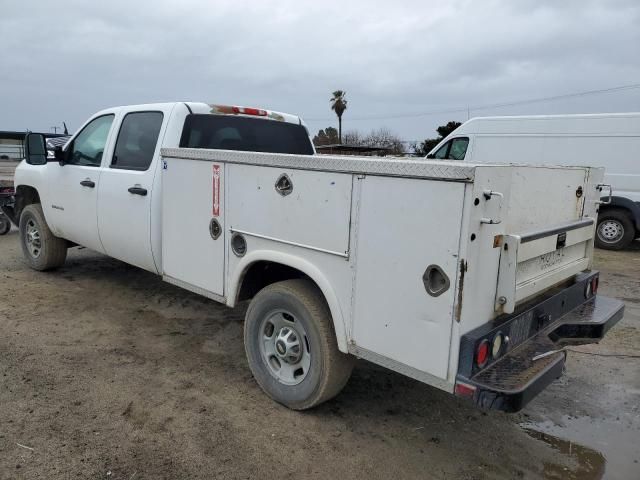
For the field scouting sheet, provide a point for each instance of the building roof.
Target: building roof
(341, 149)
(9, 135)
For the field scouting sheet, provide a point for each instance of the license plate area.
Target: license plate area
(548, 262)
(531, 263)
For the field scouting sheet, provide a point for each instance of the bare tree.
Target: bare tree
(353, 137)
(385, 138)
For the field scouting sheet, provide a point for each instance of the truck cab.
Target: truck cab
(104, 189)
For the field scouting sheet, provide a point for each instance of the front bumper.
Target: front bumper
(514, 378)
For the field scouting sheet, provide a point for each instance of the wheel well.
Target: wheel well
(263, 273)
(25, 195)
(612, 208)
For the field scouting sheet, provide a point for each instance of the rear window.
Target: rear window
(247, 134)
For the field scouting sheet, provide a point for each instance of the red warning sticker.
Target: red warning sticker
(216, 190)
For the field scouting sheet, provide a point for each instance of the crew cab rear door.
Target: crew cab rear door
(125, 200)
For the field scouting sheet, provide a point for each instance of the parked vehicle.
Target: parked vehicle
(7, 168)
(603, 140)
(460, 275)
(10, 156)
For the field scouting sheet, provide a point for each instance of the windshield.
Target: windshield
(225, 132)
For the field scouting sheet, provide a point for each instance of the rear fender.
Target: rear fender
(303, 266)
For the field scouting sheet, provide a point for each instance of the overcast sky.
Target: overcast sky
(64, 60)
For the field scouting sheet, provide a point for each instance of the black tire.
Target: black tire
(50, 251)
(328, 369)
(615, 230)
(5, 224)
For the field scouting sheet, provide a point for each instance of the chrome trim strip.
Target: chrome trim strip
(388, 166)
(287, 242)
(401, 368)
(559, 229)
(194, 289)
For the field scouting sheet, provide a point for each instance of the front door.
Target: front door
(73, 187)
(125, 196)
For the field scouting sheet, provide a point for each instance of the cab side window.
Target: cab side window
(137, 140)
(454, 149)
(88, 146)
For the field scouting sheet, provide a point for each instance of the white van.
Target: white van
(607, 140)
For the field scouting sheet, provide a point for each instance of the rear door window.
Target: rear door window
(225, 132)
(137, 140)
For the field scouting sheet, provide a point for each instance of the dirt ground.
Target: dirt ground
(106, 372)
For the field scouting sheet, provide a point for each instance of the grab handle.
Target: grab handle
(600, 186)
(488, 194)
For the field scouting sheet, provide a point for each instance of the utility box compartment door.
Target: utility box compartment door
(404, 227)
(299, 207)
(193, 196)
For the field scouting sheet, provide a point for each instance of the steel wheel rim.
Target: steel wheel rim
(33, 239)
(610, 231)
(284, 347)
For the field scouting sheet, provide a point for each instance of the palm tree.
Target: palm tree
(339, 105)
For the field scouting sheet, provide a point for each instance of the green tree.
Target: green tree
(430, 143)
(328, 136)
(339, 105)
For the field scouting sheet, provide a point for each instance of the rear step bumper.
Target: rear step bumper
(511, 381)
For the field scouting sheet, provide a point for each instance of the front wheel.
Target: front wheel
(5, 224)
(41, 249)
(615, 230)
(291, 345)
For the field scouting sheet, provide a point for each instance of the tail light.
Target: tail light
(464, 390)
(496, 346)
(482, 353)
(591, 288)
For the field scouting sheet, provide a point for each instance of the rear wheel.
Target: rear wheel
(291, 345)
(41, 249)
(615, 230)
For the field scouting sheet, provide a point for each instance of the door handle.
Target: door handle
(88, 183)
(138, 190)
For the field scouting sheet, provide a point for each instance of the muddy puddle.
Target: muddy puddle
(595, 450)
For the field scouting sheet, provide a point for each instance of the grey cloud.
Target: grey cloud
(64, 60)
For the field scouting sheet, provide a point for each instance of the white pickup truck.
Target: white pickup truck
(467, 277)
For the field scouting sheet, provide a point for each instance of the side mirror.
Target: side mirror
(62, 155)
(58, 154)
(35, 149)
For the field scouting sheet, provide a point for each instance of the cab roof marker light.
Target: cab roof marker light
(234, 110)
(250, 111)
